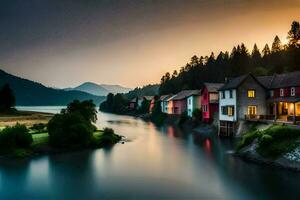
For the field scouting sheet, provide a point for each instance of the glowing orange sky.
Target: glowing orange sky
(137, 44)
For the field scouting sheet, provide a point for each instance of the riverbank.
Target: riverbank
(40, 146)
(276, 146)
(28, 118)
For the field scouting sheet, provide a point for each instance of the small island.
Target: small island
(24, 134)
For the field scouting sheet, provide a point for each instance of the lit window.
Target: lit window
(251, 110)
(292, 91)
(251, 93)
(230, 110)
(281, 92)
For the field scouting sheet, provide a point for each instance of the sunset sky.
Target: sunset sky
(129, 42)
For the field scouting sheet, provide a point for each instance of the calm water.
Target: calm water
(158, 163)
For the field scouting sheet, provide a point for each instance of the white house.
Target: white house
(164, 103)
(241, 98)
(193, 102)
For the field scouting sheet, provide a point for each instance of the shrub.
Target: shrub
(39, 128)
(280, 132)
(265, 140)
(108, 131)
(109, 137)
(17, 136)
(67, 130)
(248, 138)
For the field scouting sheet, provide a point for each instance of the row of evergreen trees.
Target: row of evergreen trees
(277, 59)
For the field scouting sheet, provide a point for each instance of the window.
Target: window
(272, 93)
(292, 91)
(224, 110)
(189, 101)
(281, 92)
(230, 110)
(251, 93)
(230, 94)
(251, 110)
(223, 94)
(204, 108)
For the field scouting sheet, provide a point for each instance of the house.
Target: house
(133, 103)
(136, 102)
(193, 102)
(284, 96)
(210, 100)
(164, 102)
(242, 98)
(177, 104)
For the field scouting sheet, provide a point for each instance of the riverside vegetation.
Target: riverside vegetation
(72, 129)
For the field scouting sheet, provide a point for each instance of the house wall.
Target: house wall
(193, 102)
(227, 101)
(205, 103)
(179, 106)
(287, 92)
(243, 101)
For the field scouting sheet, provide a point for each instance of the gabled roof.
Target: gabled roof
(184, 94)
(165, 97)
(236, 82)
(285, 80)
(213, 87)
(149, 98)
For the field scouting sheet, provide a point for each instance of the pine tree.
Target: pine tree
(294, 35)
(276, 46)
(266, 50)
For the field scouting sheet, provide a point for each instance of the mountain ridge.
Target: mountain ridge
(31, 93)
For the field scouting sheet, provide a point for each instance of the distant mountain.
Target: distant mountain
(99, 89)
(147, 90)
(30, 93)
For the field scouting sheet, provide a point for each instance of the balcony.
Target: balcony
(259, 117)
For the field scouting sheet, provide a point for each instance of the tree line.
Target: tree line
(278, 58)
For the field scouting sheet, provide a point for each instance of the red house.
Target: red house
(284, 96)
(210, 100)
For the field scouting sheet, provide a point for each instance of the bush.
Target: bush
(109, 137)
(108, 131)
(70, 130)
(17, 136)
(248, 138)
(39, 128)
(265, 140)
(280, 132)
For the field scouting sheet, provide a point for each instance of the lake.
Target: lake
(157, 163)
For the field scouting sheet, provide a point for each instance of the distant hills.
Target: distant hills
(30, 93)
(99, 89)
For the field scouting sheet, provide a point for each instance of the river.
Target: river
(157, 163)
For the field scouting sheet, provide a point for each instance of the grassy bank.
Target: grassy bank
(273, 141)
(27, 118)
(40, 145)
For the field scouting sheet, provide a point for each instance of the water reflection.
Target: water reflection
(159, 163)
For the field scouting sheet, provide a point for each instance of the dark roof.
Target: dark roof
(184, 94)
(149, 98)
(165, 97)
(213, 87)
(285, 80)
(234, 83)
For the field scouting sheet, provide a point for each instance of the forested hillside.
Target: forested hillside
(277, 58)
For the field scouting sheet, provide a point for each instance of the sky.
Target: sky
(63, 43)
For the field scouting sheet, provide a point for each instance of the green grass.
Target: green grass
(272, 142)
(40, 139)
